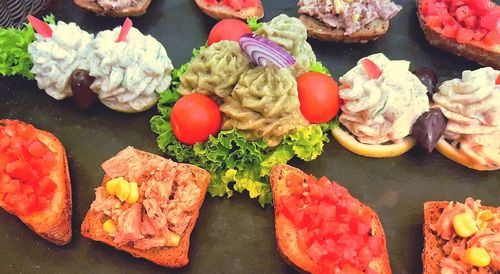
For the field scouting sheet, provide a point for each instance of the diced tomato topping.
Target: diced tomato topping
(234, 4)
(25, 164)
(497, 82)
(371, 69)
(464, 20)
(332, 229)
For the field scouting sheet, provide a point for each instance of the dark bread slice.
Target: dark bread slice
(319, 30)
(286, 234)
(221, 12)
(54, 223)
(165, 256)
(93, 6)
(478, 54)
(433, 253)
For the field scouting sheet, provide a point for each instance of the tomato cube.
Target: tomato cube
(464, 35)
(37, 149)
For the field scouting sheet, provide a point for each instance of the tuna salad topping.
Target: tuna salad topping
(148, 202)
(117, 4)
(348, 15)
(470, 237)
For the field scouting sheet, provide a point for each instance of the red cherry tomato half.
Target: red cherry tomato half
(228, 29)
(371, 69)
(194, 118)
(318, 96)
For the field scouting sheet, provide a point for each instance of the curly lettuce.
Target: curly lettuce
(235, 163)
(14, 56)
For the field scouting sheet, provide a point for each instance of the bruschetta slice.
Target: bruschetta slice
(147, 206)
(34, 180)
(115, 8)
(239, 9)
(321, 228)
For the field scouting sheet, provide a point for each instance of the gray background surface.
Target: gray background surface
(232, 235)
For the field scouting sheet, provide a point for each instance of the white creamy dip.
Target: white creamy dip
(384, 109)
(472, 106)
(56, 57)
(129, 75)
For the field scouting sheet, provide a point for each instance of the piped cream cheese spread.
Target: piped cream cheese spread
(472, 106)
(383, 109)
(129, 75)
(55, 58)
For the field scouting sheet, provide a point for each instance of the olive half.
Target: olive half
(429, 128)
(80, 82)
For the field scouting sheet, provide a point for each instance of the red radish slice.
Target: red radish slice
(40, 26)
(127, 25)
(497, 82)
(262, 51)
(371, 69)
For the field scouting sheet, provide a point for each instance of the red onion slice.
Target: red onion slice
(262, 51)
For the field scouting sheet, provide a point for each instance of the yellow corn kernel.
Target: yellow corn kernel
(123, 190)
(483, 217)
(477, 256)
(134, 194)
(113, 184)
(109, 226)
(349, 1)
(464, 225)
(173, 239)
(356, 17)
(339, 6)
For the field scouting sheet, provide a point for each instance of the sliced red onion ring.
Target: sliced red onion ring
(262, 51)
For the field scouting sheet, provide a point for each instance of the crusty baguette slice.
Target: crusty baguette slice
(93, 6)
(433, 253)
(286, 234)
(478, 54)
(222, 12)
(54, 223)
(165, 256)
(319, 30)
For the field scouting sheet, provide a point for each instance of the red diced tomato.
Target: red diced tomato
(449, 31)
(364, 256)
(434, 21)
(48, 186)
(471, 22)
(480, 33)
(492, 38)
(491, 21)
(37, 148)
(481, 7)
(326, 212)
(315, 191)
(349, 269)
(464, 35)
(295, 182)
(315, 251)
(376, 244)
(371, 69)
(461, 13)
(19, 169)
(497, 82)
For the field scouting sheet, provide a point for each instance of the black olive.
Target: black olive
(80, 82)
(429, 78)
(428, 128)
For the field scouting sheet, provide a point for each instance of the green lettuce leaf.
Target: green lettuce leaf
(318, 67)
(14, 56)
(254, 24)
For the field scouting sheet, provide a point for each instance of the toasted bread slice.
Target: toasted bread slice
(93, 6)
(54, 223)
(222, 12)
(319, 30)
(483, 56)
(166, 256)
(433, 253)
(286, 233)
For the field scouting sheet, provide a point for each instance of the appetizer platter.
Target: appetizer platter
(250, 136)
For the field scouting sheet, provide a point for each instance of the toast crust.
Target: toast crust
(93, 6)
(54, 223)
(286, 234)
(320, 31)
(475, 53)
(173, 257)
(433, 254)
(222, 12)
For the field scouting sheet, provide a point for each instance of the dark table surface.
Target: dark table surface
(232, 235)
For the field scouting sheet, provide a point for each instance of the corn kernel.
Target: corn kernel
(134, 194)
(109, 226)
(482, 218)
(113, 184)
(173, 239)
(477, 256)
(356, 17)
(123, 190)
(464, 225)
(339, 6)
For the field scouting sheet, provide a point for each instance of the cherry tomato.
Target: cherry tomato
(194, 118)
(371, 69)
(228, 29)
(319, 97)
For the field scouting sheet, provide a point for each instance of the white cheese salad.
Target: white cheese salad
(129, 74)
(56, 57)
(472, 106)
(382, 109)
